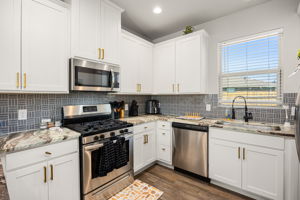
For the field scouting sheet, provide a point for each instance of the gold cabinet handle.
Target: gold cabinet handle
(147, 136)
(48, 153)
(163, 149)
(145, 139)
(45, 174)
(51, 173)
(244, 154)
(18, 80)
(99, 53)
(239, 152)
(140, 87)
(164, 133)
(25, 80)
(173, 87)
(103, 54)
(177, 87)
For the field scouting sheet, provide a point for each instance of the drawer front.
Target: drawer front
(164, 125)
(163, 137)
(164, 153)
(36, 155)
(247, 138)
(144, 127)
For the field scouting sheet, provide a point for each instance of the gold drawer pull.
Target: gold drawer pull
(99, 53)
(45, 174)
(145, 140)
(51, 173)
(48, 153)
(25, 80)
(244, 153)
(239, 152)
(164, 133)
(102, 54)
(163, 149)
(18, 80)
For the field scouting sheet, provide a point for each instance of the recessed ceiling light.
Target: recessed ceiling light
(157, 10)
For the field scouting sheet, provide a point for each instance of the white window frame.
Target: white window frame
(279, 70)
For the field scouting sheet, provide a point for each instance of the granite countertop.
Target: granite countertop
(32, 139)
(238, 125)
(27, 140)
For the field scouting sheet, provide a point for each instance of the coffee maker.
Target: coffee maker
(153, 107)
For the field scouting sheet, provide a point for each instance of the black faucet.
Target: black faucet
(248, 115)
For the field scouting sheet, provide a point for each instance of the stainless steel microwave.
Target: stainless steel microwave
(92, 76)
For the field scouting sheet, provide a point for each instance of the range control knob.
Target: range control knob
(112, 134)
(126, 130)
(102, 136)
(121, 131)
(96, 138)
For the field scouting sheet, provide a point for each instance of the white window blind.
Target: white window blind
(251, 68)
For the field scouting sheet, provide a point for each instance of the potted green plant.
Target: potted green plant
(188, 29)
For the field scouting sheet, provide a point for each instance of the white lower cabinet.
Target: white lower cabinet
(164, 142)
(144, 145)
(225, 164)
(250, 167)
(54, 178)
(263, 171)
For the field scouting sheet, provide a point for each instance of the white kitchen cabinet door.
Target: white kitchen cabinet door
(86, 29)
(129, 64)
(28, 183)
(10, 44)
(64, 178)
(110, 32)
(188, 65)
(138, 151)
(164, 68)
(145, 76)
(44, 46)
(149, 149)
(225, 162)
(263, 171)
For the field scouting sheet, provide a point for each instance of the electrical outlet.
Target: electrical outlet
(126, 107)
(22, 114)
(208, 107)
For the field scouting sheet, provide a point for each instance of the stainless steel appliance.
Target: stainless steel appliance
(298, 125)
(97, 130)
(190, 148)
(152, 107)
(92, 76)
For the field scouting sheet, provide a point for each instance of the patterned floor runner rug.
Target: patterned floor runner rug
(138, 190)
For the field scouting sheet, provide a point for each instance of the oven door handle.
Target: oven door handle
(112, 79)
(93, 147)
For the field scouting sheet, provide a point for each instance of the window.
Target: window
(251, 68)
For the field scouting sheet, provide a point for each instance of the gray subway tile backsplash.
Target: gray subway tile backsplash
(41, 106)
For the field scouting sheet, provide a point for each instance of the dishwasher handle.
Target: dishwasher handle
(190, 127)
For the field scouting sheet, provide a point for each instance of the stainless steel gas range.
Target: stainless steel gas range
(106, 150)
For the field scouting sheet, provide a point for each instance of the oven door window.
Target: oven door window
(92, 77)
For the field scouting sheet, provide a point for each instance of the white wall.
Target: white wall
(265, 17)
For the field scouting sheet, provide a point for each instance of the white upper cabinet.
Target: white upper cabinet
(164, 68)
(96, 30)
(129, 64)
(44, 46)
(180, 65)
(136, 65)
(10, 44)
(34, 46)
(145, 77)
(190, 76)
(110, 32)
(85, 28)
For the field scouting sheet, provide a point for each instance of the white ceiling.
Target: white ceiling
(138, 15)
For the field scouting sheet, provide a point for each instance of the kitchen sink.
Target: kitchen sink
(252, 126)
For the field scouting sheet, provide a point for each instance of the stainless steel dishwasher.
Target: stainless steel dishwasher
(190, 148)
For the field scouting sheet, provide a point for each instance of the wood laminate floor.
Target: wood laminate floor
(178, 186)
